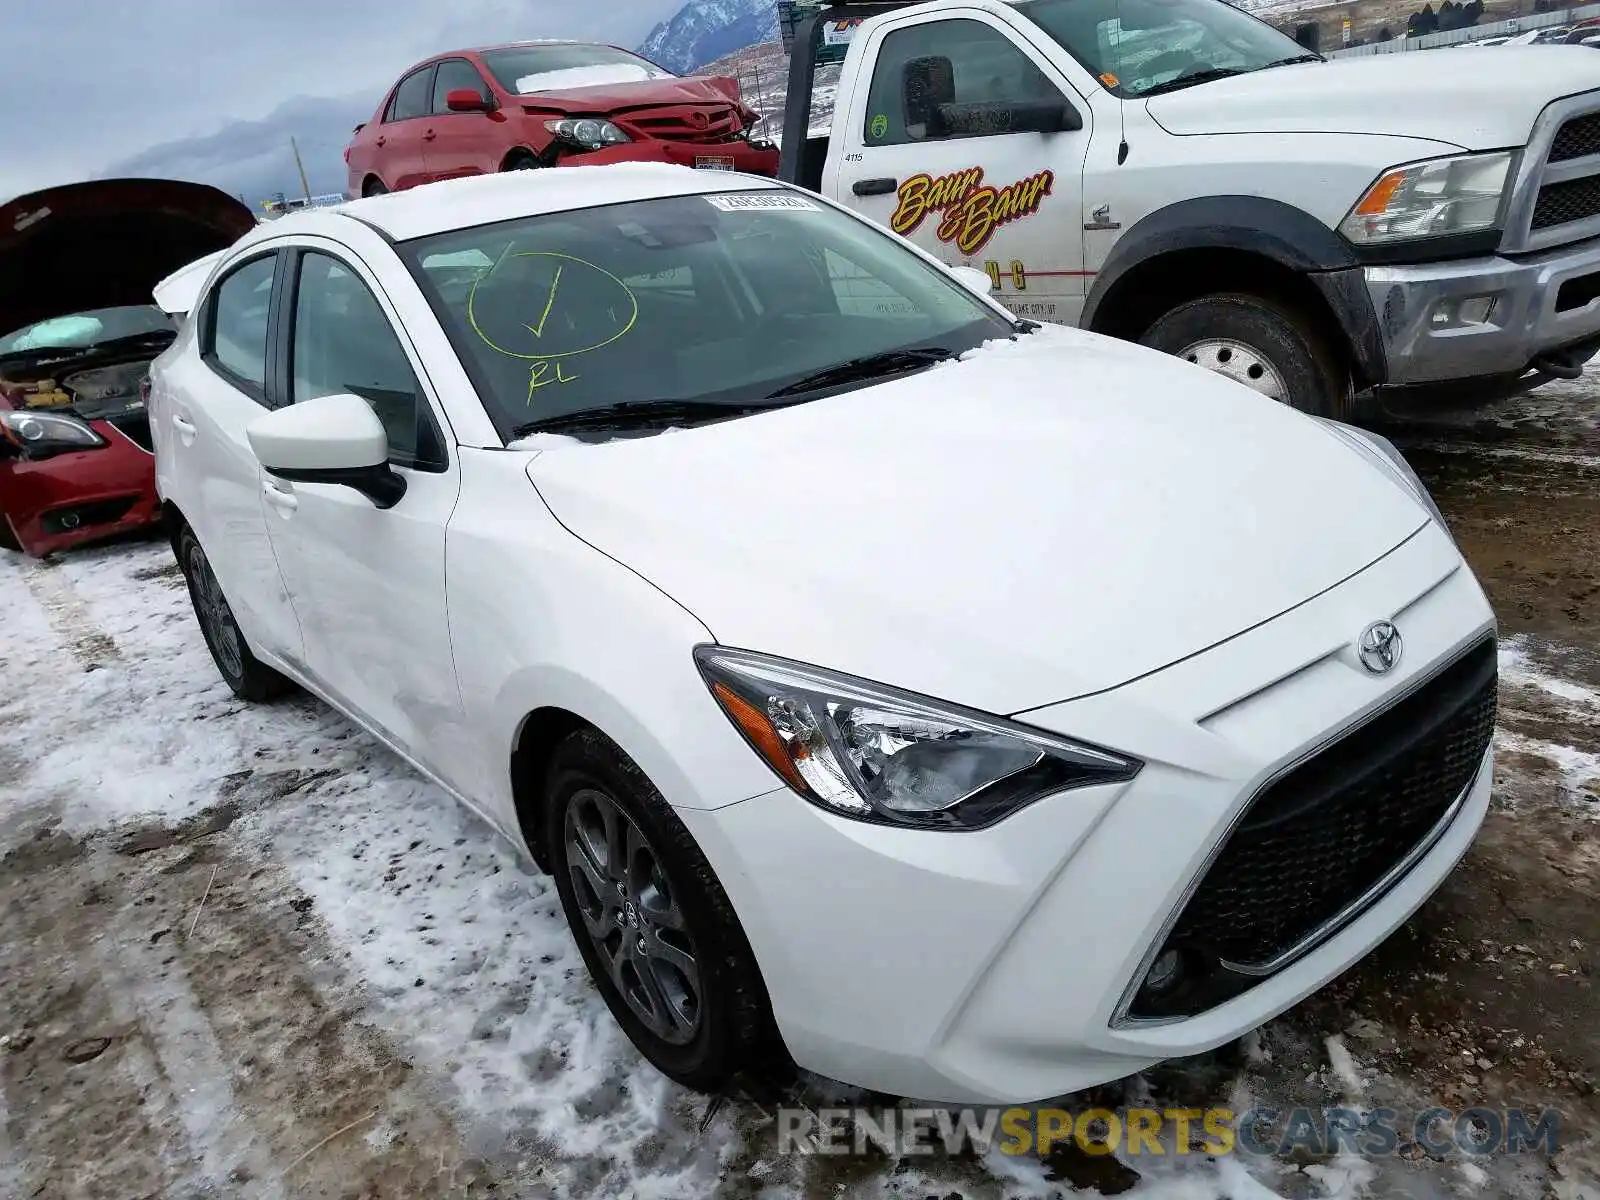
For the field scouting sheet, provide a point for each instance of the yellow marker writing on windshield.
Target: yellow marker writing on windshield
(549, 303)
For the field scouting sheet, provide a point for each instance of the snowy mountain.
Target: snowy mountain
(703, 30)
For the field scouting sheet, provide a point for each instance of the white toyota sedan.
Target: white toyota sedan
(961, 707)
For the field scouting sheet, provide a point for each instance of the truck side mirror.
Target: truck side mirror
(926, 84)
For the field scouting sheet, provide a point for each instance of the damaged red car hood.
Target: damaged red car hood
(106, 243)
(617, 97)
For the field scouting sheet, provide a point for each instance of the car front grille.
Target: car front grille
(708, 123)
(1577, 138)
(1572, 200)
(1320, 839)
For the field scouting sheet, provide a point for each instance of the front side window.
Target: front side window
(1144, 47)
(456, 75)
(949, 79)
(708, 299)
(239, 311)
(413, 98)
(342, 342)
(523, 70)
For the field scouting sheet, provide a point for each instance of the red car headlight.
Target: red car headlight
(40, 434)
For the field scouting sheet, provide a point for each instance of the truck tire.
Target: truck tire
(1263, 345)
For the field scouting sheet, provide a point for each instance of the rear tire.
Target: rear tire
(248, 677)
(1263, 345)
(643, 905)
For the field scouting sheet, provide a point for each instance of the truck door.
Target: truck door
(968, 141)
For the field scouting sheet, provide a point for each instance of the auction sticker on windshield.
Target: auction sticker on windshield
(740, 201)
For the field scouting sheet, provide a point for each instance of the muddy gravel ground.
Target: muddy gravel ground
(247, 953)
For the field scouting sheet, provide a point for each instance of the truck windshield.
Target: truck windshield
(718, 299)
(1145, 47)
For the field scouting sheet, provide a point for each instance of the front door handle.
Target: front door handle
(429, 136)
(284, 502)
(381, 141)
(874, 187)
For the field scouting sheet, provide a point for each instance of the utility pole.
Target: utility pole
(305, 185)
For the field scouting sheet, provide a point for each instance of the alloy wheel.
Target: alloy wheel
(216, 618)
(1240, 363)
(632, 917)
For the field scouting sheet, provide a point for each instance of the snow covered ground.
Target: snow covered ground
(248, 952)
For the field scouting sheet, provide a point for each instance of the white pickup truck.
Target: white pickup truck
(1179, 173)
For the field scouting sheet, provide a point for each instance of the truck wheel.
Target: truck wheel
(1268, 348)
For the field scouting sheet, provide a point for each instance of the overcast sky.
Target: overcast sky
(211, 89)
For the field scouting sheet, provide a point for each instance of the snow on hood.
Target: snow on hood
(1069, 510)
(106, 243)
(1440, 97)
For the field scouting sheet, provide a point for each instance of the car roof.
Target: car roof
(484, 199)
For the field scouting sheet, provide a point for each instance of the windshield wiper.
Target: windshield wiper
(1289, 62)
(634, 412)
(1183, 81)
(872, 366)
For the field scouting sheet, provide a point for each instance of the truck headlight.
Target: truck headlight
(588, 133)
(1442, 196)
(40, 434)
(877, 754)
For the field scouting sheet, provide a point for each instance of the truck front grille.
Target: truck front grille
(1565, 202)
(1557, 196)
(1322, 837)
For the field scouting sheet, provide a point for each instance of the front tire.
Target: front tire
(655, 928)
(248, 677)
(374, 187)
(522, 162)
(1267, 347)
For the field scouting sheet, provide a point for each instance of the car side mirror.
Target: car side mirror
(975, 281)
(467, 100)
(333, 439)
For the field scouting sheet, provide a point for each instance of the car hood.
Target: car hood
(1439, 97)
(106, 243)
(1044, 519)
(620, 97)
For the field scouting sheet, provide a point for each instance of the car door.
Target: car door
(368, 584)
(203, 405)
(928, 151)
(402, 142)
(463, 143)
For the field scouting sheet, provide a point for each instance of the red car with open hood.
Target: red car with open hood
(544, 104)
(77, 334)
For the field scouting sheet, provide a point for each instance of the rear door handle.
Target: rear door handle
(429, 136)
(284, 502)
(380, 141)
(185, 428)
(874, 187)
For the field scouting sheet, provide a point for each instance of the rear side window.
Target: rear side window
(237, 341)
(949, 79)
(343, 342)
(413, 98)
(454, 75)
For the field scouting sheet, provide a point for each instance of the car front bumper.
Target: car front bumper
(995, 966)
(64, 501)
(1545, 306)
(727, 156)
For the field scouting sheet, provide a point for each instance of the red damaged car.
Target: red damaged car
(77, 334)
(546, 104)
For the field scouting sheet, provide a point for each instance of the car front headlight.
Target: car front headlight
(589, 133)
(877, 754)
(1442, 196)
(1386, 456)
(40, 433)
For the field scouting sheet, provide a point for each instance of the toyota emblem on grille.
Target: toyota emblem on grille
(1379, 647)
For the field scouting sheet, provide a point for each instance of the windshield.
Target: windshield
(523, 70)
(82, 330)
(712, 299)
(1136, 46)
